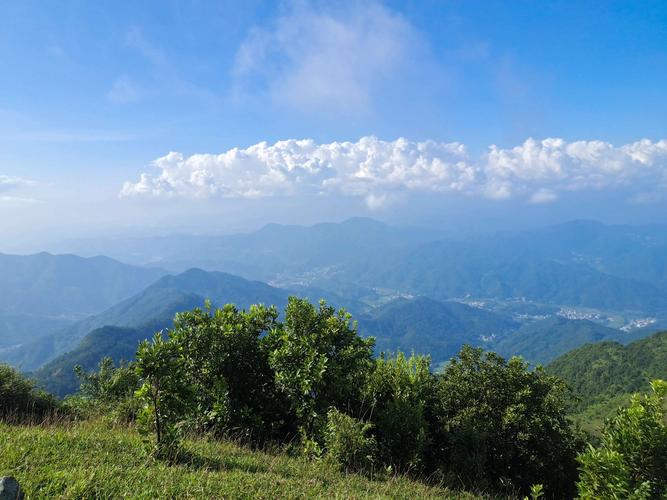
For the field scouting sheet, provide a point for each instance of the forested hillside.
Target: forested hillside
(430, 327)
(542, 341)
(608, 369)
(604, 375)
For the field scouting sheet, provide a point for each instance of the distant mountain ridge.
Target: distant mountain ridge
(413, 289)
(581, 263)
(49, 284)
(43, 293)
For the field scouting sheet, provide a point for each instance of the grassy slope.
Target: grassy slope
(90, 460)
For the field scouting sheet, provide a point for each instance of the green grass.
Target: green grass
(93, 460)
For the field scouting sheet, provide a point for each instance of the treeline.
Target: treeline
(309, 382)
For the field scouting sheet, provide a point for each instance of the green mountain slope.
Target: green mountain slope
(58, 376)
(67, 285)
(154, 307)
(427, 326)
(607, 370)
(545, 340)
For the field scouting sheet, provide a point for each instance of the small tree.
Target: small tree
(398, 391)
(349, 442)
(223, 358)
(499, 425)
(164, 393)
(632, 459)
(109, 391)
(320, 362)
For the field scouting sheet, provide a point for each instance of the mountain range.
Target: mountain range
(581, 263)
(538, 293)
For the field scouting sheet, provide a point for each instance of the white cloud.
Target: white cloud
(18, 200)
(561, 166)
(8, 183)
(329, 59)
(11, 184)
(380, 172)
(369, 168)
(543, 195)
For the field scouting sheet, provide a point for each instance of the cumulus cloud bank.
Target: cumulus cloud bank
(380, 171)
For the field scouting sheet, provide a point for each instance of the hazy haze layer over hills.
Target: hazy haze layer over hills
(580, 263)
(43, 293)
(61, 285)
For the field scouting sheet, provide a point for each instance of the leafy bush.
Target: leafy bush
(499, 426)
(349, 442)
(246, 374)
(319, 361)
(165, 396)
(110, 383)
(398, 390)
(108, 391)
(632, 459)
(227, 366)
(20, 400)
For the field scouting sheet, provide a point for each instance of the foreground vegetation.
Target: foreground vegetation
(306, 387)
(94, 460)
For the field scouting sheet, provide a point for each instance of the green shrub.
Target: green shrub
(632, 459)
(20, 400)
(498, 425)
(320, 361)
(227, 365)
(349, 442)
(166, 399)
(109, 392)
(398, 390)
(110, 383)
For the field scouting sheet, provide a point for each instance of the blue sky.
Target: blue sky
(93, 93)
